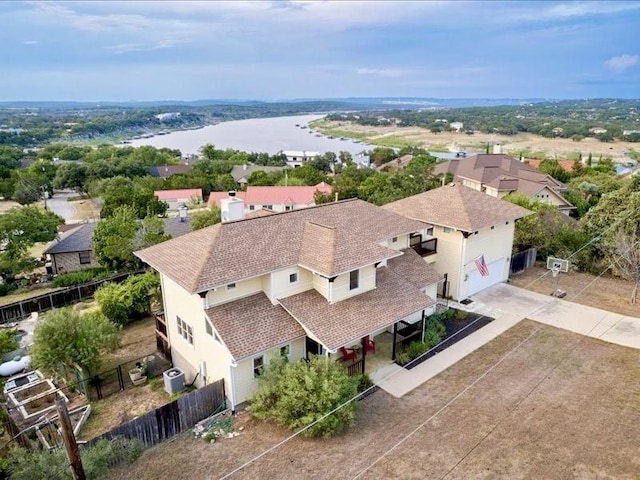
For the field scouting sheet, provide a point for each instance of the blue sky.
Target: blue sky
(299, 49)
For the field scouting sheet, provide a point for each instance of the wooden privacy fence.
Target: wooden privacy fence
(20, 310)
(172, 418)
(522, 260)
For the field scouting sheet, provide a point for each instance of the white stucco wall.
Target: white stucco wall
(340, 286)
(242, 289)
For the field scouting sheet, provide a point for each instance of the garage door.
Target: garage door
(477, 282)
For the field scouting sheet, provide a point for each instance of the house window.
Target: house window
(506, 223)
(185, 330)
(252, 207)
(492, 227)
(354, 279)
(394, 239)
(258, 366)
(447, 229)
(285, 351)
(208, 327)
(287, 208)
(430, 231)
(269, 207)
(85, 257)
(293, 277)
(231, 286)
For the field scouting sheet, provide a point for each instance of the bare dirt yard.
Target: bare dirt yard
(138, 340)
(536, 402)
(512, 144)
(608, 293)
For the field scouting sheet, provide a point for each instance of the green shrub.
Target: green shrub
(461, 315)
(402, 357)
(297, 394)
(96, 460)
(364, 382)
(415, 349)
(8, 341)
(6, 289)
(78, 278)
(431, 338)
(130, 300)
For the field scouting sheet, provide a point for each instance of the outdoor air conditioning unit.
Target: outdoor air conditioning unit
(173, 380)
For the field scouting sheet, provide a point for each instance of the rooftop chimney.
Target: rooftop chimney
(497, 148)
(232, 208)
(182, 213)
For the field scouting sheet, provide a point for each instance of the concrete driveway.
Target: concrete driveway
(59, 204)
(507, 300)
(508, 305)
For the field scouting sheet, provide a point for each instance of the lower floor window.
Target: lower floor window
(84, 257)
(258, 366)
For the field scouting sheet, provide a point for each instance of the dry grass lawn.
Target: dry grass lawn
(536, 402)
(560, 147)
(609, 293)
(85, 210)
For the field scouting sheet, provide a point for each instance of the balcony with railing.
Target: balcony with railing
(423, 247)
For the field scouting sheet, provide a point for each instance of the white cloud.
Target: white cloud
(622, 63)
(30, 42)
(165, 42)
(90, 22)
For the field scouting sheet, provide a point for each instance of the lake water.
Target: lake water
(270, 135)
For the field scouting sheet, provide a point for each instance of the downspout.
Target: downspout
(423, 325)
(462, 264)
(232, 379)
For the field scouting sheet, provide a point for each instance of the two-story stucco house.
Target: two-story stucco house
(309, 281)
(474, 235)
(499, 175)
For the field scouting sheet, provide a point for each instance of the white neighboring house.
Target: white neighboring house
(457, 126)
(474, 235)
(297, 158)
(309, 281)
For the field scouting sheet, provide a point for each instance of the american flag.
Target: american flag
(482, 266)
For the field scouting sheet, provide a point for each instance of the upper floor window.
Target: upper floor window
(447, 229)
(394, 239)
(185, 330)
(293, 277)
(285, 351)
(208, 327)
(231, 286)
(430, 231)
(354, 279)
(84, 257)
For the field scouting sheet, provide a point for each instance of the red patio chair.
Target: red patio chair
(348, 354)
(369, 345)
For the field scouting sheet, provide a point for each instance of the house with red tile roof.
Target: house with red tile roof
(276, 198)
(178, 198)
(334, 279)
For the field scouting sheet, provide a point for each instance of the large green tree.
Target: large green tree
(118, 191)
(67, 338)
(20, 229)
(205, 218)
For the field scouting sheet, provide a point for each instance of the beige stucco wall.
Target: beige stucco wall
(70, 262)
(277, 207)
(242, 289)
(321, 285)
(340, 286)
(448, 256)
(281, 288)
(244, 380)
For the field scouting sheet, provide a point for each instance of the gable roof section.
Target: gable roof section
(233, 251)
(164, 171)
(238, 172)
(340, 323)
(414, 269)
(165, 195)
(252, 324)
(77, 240)
(457, 207)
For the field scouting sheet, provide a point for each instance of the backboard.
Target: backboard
(558, 264)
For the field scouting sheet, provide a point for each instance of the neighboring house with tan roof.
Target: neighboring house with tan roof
(499, 175)
(302, 282)
(178, 198)
(474, 235)
(276, 198)
(241, 173)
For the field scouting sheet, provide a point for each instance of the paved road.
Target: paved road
(59, 204)
(508, 305)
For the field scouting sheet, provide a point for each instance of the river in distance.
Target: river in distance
(270, 135)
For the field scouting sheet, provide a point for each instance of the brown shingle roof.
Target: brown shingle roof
(458, 207)
(252, 324)
(338, 324)
(233, 251)
(414, 269)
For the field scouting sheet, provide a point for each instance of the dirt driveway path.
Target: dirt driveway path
(536, 402)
